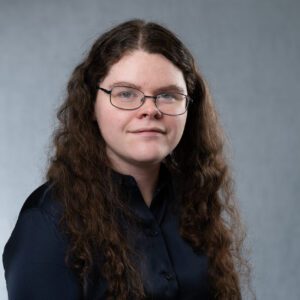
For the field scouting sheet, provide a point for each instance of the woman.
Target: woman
(138, 201)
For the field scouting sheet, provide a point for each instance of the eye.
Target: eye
(166, 95)
(169, 96)
(125, 93)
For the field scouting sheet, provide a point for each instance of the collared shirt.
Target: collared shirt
(33, 257)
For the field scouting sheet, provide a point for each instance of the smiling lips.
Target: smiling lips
(152, 130)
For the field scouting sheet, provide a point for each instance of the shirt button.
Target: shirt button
(168, 276)
(151, 232)
(154, 233)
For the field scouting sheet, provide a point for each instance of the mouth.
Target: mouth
(148, 131)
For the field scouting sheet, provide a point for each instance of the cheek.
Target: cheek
(104, 120)
(112, 124)
(109, 126)
(178, 126)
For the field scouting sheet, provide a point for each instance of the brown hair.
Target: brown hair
(80, 172)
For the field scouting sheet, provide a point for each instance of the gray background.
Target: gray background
(248, 52)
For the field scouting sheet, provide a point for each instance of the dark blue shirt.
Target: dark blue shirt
(33, 257)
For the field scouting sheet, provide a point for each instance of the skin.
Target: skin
(139, 154)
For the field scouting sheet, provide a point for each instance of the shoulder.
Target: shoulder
(43, 199)
(36, 230)
(34, 255)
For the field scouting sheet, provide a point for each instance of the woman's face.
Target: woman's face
(130, 135)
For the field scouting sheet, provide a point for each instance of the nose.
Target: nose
(149, 108)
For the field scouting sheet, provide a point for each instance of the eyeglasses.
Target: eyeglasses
(128, 98)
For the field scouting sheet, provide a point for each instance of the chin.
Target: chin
(153, 159)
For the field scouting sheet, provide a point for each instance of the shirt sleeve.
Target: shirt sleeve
(33, 260)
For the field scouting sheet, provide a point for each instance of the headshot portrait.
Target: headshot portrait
(143, 173)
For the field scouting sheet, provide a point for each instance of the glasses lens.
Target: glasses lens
(126, 97)
(171, 103)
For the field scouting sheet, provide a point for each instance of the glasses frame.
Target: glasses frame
(143, 99)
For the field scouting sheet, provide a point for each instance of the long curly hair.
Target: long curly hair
(81, 175)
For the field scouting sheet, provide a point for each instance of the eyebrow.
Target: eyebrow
(169, 87)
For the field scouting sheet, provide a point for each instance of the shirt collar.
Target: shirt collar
(136, 201)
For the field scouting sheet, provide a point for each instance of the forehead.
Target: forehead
(147, 70)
